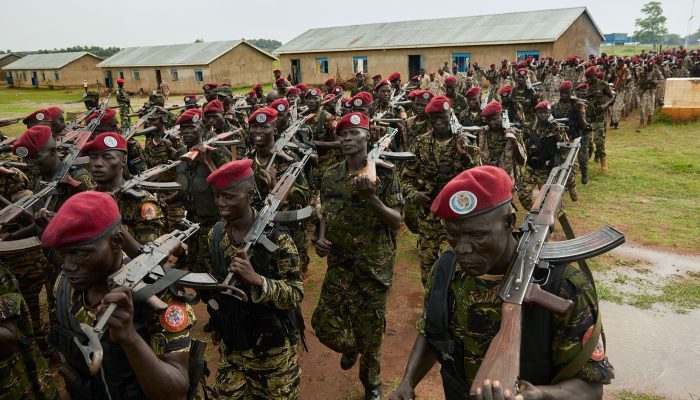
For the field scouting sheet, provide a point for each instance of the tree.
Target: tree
(199, 40)
(96, 50)
(672, 39)
(652, 28)
(268, 45)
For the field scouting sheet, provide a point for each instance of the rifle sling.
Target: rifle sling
(172, 275)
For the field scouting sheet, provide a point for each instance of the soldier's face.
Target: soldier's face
(480, 242)
(353, 140)
(314, 102)
(191, 134)
(565, 94)
(43, 162)
(473, 103)
(520, 79)
(263, 136)
(58, 124)
(233, 202)
(375, 81)
(494, 121)
(293, 98)
(156, 123)
(214, 120)
(419, 107)
(282, 119)
(105, 167)
(384, 93)
(450, 90)
(90, 264)
(543, 115)
(210, 94)
(440, 122)
(225, 100)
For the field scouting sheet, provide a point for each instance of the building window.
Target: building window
(522, 55)
(359, 64)
(322, 65)
(173, 75)
(121, 74)
(198, 75)
(43, 76)
(137, 75)
(56, 77)
(462, 61)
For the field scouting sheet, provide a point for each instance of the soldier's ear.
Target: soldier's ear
(117, 240)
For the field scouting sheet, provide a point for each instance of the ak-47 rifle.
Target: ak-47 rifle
(463, 136)
(10, 121)
(131, 131)
(132, 275)
(378, 155)
(286, 140)
(216, 140)
(268, 215)
(502, 360)
(134, 186)
(72, 128)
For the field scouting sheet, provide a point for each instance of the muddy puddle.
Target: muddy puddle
(661, 262)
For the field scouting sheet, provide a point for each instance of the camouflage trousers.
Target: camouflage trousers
(646, 104)
(432, 241)
(258, 374)
(660, 92)
(198, 251)
(616, 109)
(351, 316)
(532, 180)
(298, 234)
(410, 217)
(584, 151)
(174, 213)
(30, 270)
(599, 138)
(124, 119)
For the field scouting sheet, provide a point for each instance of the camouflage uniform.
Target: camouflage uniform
(323, 130)
(362, 88)
(598, 94)
(476, 318)
(197, 196)
(158, 153)
(142, 217)
(124, 104)
(527, 99)
(351, 312)
(436, 163)
(550, 89)
(617, 111)
(573, 74)
(435, 86)
(572, 111)
(471, 118)
(649, 80)
(459, 104)
(25, 374)
(268, 372)
(415, 128)
(679, 72)
(496, 150)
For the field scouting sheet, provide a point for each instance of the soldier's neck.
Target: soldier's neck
(239, 227)
(110, 186)
(357, 161)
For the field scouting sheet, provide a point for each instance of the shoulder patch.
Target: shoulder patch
(148, 211)
(599, 351)
(175, 317)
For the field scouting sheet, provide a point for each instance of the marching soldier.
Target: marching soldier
(575, 111)
(210, 92)
(124, 105)
(458, 101)
(471, 115)
(360, 84)
(323, 134)
(649, 78)
(501, 146)
(524, 95)
(599, 99)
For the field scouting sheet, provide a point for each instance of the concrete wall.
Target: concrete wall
(580, 39)
(242, 66)
(71, 75)
(682, 99)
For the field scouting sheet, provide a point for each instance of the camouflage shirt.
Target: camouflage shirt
(496, 150)
(299, 196)
(527, 98)
(476, 299)
(14, 184)
(459, 104)
(196, 194)
(15, 377)
(82, 183)
(471, 118)
(158, 153)
(598, 94)
(323, 130)
(142, 217)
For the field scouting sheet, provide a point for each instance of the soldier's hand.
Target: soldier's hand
(492, 391)
(364, 186)
(42, 218)
(422, 199)
(121, 323)
(242, 267)
(322, 247)
(403, 392)
(528, 391)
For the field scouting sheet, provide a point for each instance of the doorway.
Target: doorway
(108, 79)
(159, 80)
(296, 72)
(35, 80)
(415, 63)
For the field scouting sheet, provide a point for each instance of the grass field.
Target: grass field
(634, 50)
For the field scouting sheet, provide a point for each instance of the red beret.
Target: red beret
(338, 90)
(473, 192)
(214, 106)
(82, 219)
(473, 92)
(329, 96)
(54, 112)
(281, 105)
(492, 108)
(600, 75)
(394, 77)
(521, 72)
(354, 119)
(108, 116)
(231, 174)
(193, 116)
(566, 85)
(264, 115)
(189, 98)
(415, 78)
(590, 71)
(37, 117)
(279, 81)
(425, 95)
(32, 141)
(505, 89)
(412, 94)
(120, 80)
(330, 81)
(293, 90)
(382, 83)
(210, 85)
(277, 71)
(359, 73)
(257, 86)
(103, 142)
(251, 94)
(314, 92)
(378, 76)
(346, 102)
(543, 105)
(302, 86)
(362, 99)
(582, 86)
(438, 104)
(451, 80)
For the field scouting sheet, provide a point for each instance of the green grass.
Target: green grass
(631, 395)
(680, 293)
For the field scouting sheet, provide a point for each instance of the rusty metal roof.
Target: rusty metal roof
(47, 61)
(174, 54)
(519, 27)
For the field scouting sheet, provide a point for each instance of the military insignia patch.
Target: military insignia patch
(463, 202)
(426, 96)
(39, 116)
(280, 107)
(109, 141)
(206, 87)
(314, 92)
(355, 119)
(22, 151)
(195, 118)
(446, 105)
(175, 317)
(599, 350)
(261, 118)
(357, 102)
(148, 211)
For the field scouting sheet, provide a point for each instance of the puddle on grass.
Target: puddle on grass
(662, 263)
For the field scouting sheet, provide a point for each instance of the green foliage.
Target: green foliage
(651, 28)
(199, 40)
(268, 45)
(96, 50)
(630, 395)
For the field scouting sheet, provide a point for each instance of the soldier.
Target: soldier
(91, 99)
(551, 81)
(395, 80)
(235, 117)
(471, 115)
(58, 123)
(303, 90)
(210, 92)
(323, 134)
(599, 99)
(38, 117)
(439, 157)
(541, 138)
(146, 354)
(258, 89)
(418, 123)
(267, 173)
(434, 85)
(363, 217)
(376, 79)
(382, 105)
(477, 77)
(649, 78)
(524, 95)
(620, 87)
(293, 97)
(575, 111)
(196, 195)
(504, 79)
(458, 101)
(190, 102)
(480, 232)
(329, 84)
(501, 146)
(514, 110)
(330, 104)
(141, 216)
(360, 84)
(678, 70)
(259, 351)
(362, 103)
(134, 159)
(278, 75)
(124, 105)
(252, 100)
(216, 124)
(26, 373)
(281, 86)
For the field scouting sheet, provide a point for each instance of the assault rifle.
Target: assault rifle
(9, 121)
(268, 215)
(502, 360)
(133, 187)
(216, 140)
(286, 139)
(72, 127)
(132, 275)
(131, 131)
(378, 155)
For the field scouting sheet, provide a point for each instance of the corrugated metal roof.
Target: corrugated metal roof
(2, 56)
(520, 27)
(173, 54)
(47, 61)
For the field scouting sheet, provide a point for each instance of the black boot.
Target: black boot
(584, 177)
(374, 393)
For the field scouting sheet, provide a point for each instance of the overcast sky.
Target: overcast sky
(47, 24)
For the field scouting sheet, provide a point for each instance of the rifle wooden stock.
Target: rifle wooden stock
(502, 360)
(548, 213)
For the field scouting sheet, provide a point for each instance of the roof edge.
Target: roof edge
(547, 40)
(86, 53)
(590, 18)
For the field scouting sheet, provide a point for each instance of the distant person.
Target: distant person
(85, 86)
(164, 89)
